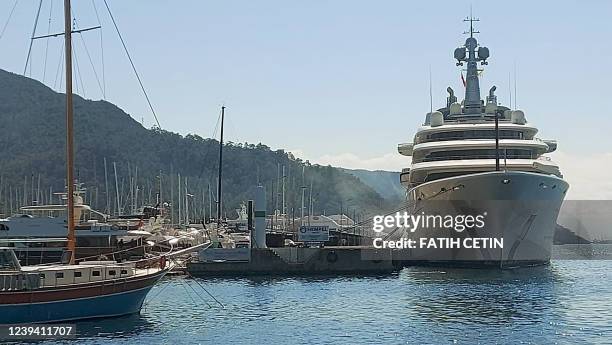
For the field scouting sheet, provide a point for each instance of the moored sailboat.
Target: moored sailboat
(92, 289)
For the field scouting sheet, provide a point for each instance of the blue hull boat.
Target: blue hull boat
(57, 293)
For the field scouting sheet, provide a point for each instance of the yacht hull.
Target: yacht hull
(68, 303)
(519, 209)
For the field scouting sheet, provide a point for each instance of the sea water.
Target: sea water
(567, 302)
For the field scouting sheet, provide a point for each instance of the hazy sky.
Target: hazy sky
(339, 81)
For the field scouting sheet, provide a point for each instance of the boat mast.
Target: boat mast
(497, 142)
(471, 53)
(472, 90)
(219, 198)
(69, 129)
(303, 192)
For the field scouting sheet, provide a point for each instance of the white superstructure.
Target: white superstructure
(478, 157)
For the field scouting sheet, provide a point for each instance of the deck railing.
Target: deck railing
(19, 281)
(43, 278)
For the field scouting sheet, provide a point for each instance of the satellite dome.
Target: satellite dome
(483, 53)
(436, 118)
(460, 54)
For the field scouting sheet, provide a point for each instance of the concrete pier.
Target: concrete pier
(299, 261)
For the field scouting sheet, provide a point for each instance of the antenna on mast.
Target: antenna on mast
(515, 84)
(430, 92)
(471, 53)
(510, 89)
(471, 19)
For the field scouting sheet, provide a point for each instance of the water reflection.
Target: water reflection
(483, 296)
(566, 302)
(120, 327)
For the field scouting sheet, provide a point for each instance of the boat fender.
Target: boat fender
(162, 262)
(332, 257)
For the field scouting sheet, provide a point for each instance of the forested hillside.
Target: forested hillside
(32, 148)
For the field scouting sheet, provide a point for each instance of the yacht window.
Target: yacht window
(477, 154)
(112, 272)
(59, 275)
(124, 272)
(95, 273)
(77, 274)
(4, 227)
(473, 134)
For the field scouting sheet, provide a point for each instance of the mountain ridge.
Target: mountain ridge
(33, 145)
(386, 183)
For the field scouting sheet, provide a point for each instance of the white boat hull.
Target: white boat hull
(521, 208)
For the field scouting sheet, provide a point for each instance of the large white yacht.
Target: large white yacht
(479, 157)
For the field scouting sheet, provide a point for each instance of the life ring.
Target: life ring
(332, 257)
(162, 262)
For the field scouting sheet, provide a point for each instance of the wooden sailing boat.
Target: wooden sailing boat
(92, 289)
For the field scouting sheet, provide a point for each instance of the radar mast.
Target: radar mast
(471, 54)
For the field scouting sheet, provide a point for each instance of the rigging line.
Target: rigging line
(132, 63)
(166, 284)
(78, 72)
(205, 290)
(216, 125)
(62, 74)
(93, 3)
(61, 59)
(8, 19)
(76, 29)
(92, 64)
(76, 81)
(210, 177)
(25, 68)
(233, 130)
(210, 146)
(197, 294)
(406, 206)
(47, 45)
(182, 283)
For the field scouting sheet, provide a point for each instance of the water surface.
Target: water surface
(567, 302)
